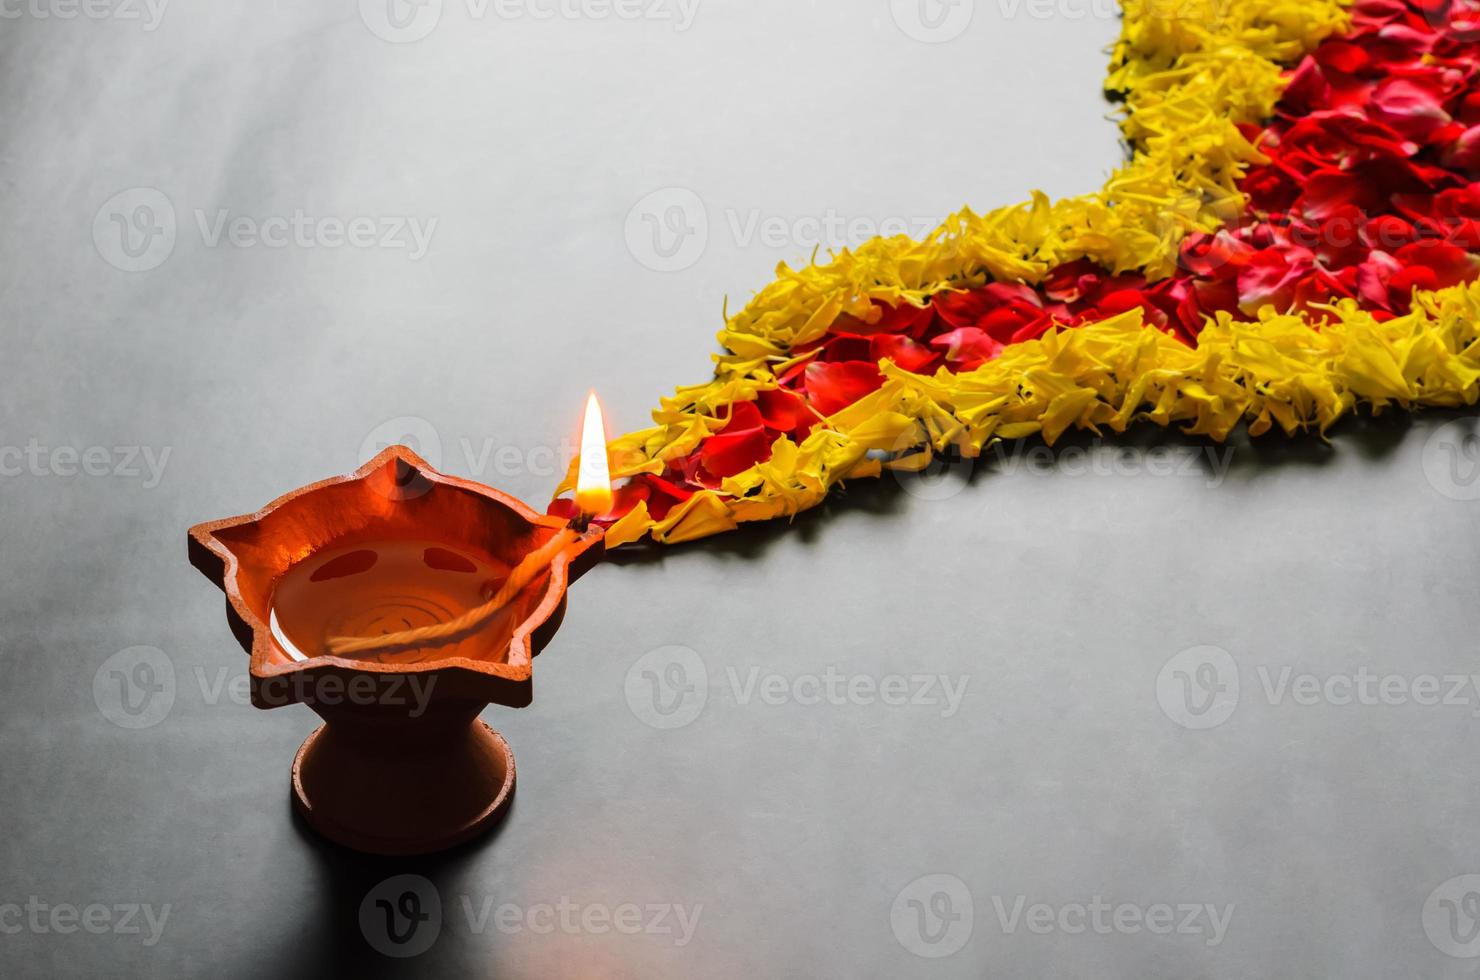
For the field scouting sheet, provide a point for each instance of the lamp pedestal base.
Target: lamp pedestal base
(399, 798)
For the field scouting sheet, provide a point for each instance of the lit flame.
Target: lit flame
(594, 482)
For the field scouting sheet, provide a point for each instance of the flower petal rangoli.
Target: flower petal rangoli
(1296, 234)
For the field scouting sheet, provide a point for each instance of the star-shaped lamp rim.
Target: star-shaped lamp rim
(506, 682)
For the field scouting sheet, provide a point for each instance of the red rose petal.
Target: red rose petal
(962, 309)
(1451, 265)
(1412, 109)
(1414, 277)
(968, 347)
(1464, 153)
(905, 352)
(1342, 56)
(1005, 321)
(729, 453)
(784, 413)
(832, 387)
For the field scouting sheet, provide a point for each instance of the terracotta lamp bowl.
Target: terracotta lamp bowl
(402, 763)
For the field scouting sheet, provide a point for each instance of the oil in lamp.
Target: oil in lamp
(397, 602)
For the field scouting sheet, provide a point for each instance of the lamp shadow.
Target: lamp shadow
(1241, 458)
(361, 927)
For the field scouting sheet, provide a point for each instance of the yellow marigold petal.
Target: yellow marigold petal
(700, 516)
(631, 528)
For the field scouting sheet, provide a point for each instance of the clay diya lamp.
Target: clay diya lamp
(397, 603)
